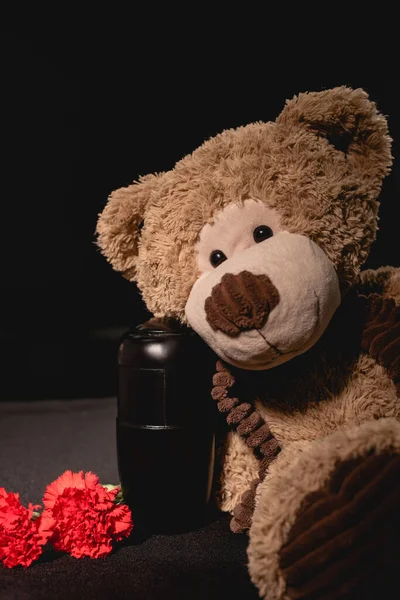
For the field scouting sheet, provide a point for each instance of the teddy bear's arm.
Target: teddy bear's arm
(381, 335)
(385, 281)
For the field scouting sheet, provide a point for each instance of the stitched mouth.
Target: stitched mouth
(274, 348)
(258, 361)
(301, 348)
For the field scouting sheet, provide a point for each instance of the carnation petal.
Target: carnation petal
(21, 539)
(91, 480)
(67, 480)
(86, 518)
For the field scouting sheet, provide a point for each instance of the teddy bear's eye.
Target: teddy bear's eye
(261, 233)
(217, 257)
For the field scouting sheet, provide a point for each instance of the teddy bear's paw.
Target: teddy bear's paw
(345, 540)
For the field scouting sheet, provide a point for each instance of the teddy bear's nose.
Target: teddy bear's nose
(240, 302)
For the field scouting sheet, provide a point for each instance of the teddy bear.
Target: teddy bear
(256, 240)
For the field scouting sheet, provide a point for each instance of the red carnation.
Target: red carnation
(87, 518)
(21, 538)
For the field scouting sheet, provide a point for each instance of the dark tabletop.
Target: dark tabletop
(38, 441)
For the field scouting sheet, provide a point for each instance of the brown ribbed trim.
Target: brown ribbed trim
(346, 533)
(270, 449)
(227, 404)
(219, 392)
(259, 436)
(251, 426)
(381, 334)
(237, 414)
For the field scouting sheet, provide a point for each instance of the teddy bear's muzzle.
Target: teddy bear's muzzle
(241, 302)
(266, 303)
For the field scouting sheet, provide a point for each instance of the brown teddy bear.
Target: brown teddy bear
(256, 240)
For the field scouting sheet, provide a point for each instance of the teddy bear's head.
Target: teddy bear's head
(254, 238)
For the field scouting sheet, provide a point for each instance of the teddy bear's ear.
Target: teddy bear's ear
(350, 122)
(119, 225)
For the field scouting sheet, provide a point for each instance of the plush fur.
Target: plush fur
(294, 475)
(385, 281)
(314, 175)
(290, 165)
(239, 469)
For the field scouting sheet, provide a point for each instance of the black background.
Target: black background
(83, 117)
